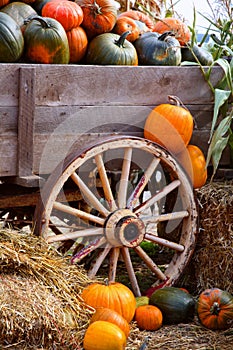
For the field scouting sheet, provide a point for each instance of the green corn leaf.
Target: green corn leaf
(219, 142)
(227, 70)
(220, 96)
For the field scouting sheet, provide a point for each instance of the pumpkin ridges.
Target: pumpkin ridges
(114, 296)
(47, 35)
(138, 16)
(68, 13)
(193, 161)
(12, 40)
(170, 126)
(103, 335)
(99, 16)
(105, 49)
(180, 29)
(148, 317)
(109, 315)
(159, 50)
(78, 43)
(175, 304)
(223, 317)
(124, 24)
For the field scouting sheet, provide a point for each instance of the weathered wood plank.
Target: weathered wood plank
(26, 122)
(9, 82)
(8, 120)
(8, 155)
(93, 101)
(121, 85)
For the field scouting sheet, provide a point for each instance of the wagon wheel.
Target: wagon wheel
(125, 184)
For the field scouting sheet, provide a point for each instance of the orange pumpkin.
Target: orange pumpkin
(106, 314)
(103, 335)
(115, 296)
(193, 161)
(4, 2)
(68, 13)
(215, 309)
(148, 317)
(78, 43)
(138, 16)
(99, 16)
(170, 126)
(123, 24)
(180, 29)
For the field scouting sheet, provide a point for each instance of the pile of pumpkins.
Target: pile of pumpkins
(115, 306)
(92, 32)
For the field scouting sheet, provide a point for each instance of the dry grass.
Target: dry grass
(213, 258)
(40, 307)
(39, 294)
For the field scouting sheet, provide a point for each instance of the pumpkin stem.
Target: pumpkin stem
(121, 40)
(40, 19)
(176, 101)
(163, 36)
(215, 309)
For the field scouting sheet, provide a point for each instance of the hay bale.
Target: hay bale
(39, 295)
(213, 256)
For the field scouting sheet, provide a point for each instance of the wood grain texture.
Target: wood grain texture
(47, 108)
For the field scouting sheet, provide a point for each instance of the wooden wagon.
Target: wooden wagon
(74, 164)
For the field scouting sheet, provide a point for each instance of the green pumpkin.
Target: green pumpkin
(11, 39)
(46, 41)
(176, 305)
(111, 49)
(19, 11)
(197, 53)
(158, 50)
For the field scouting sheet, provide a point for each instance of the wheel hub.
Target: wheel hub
(124, 228)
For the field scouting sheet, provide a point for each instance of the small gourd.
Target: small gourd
(148, 317)
(197, 54)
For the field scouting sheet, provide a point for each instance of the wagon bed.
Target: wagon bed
(108, 189)
(37, 101)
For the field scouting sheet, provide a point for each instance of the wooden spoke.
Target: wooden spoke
(117, 223)
(173, 216)
(165, 217)
(89, 196)
(130, 270)
(142, 183)
(74, 235)
(161, 194)
(78, 213)
(98, 261)
(105, 182)
(150, 263)
(97, 243)
(164, 242)
(114, 256)
(122, 193)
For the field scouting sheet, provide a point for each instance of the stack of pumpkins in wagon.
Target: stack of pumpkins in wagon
(92, 32)
(115, 308)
